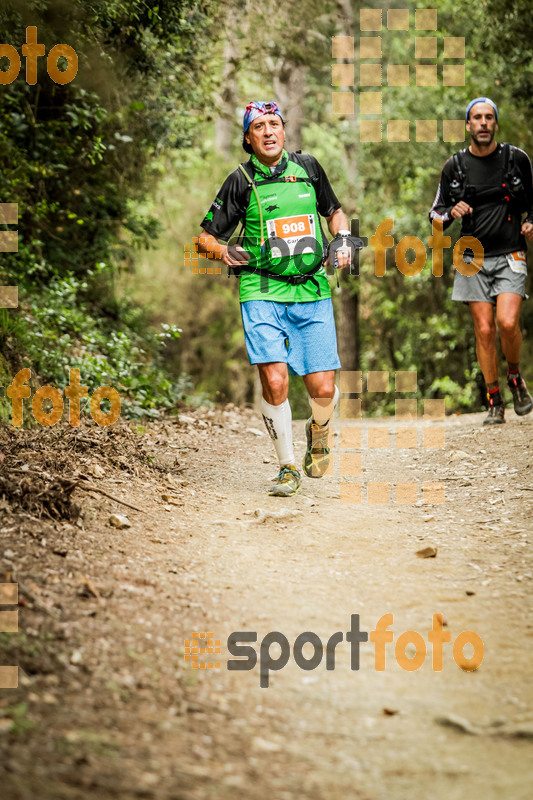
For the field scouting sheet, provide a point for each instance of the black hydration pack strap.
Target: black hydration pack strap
(293, 280)
(285, 179)
(508, 166)
(458, 164)
(459, 188)
(306, 164)
(508, 161)
(513, 185)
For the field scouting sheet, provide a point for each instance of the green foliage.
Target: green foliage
(78, 160)
(508, 39)
(18, 714)
(78, 156)
(60, 331)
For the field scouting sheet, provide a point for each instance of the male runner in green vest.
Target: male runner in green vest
(284, 292)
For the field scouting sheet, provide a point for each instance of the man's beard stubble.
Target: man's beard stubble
(483, 142)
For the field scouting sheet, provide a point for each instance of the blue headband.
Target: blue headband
(256, 108)
(481, 100)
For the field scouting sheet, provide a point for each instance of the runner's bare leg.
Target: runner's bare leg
(485, 331)
(508, 307)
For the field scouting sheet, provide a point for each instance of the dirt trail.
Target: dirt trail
(108, 707)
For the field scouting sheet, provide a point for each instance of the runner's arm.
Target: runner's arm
(338, 221)
(443, 208)
(232, 256)
(220, 222)
(329, 207)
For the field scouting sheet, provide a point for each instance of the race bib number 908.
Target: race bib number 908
(291, 230)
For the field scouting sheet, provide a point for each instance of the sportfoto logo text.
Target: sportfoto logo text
(32, 50)
(380, 242)
(238, 644)
(74, 391)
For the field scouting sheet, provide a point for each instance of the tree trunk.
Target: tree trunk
(348, 327)
(289, 88)
(227, 100)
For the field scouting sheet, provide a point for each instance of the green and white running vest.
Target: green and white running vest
(291, 241)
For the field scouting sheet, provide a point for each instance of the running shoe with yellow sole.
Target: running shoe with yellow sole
(316, 459)
(287, 483)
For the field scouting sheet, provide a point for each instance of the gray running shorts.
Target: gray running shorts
(498, 274)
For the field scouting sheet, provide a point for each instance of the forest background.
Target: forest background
(114, 172)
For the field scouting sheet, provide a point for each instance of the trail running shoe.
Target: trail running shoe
(287, 483)
(316, 459)
(523, 402)
(496, 415)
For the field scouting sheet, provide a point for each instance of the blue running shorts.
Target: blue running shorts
(302, 335)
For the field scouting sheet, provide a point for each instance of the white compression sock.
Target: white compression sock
(278, 421)
(323, 407)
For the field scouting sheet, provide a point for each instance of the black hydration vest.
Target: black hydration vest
(511, 191)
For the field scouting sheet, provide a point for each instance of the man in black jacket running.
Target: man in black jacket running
(490, 187)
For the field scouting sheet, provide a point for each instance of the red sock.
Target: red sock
(494, 397)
